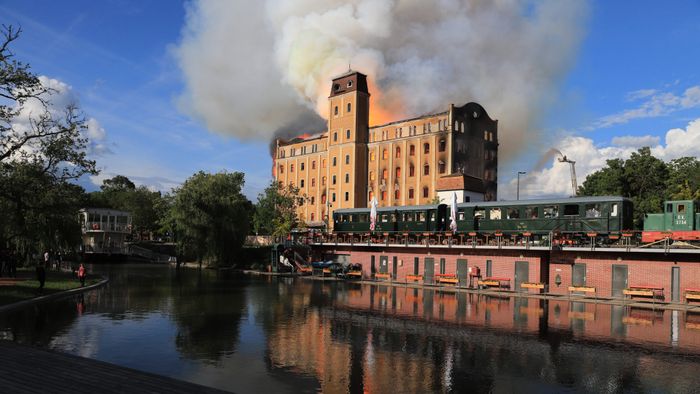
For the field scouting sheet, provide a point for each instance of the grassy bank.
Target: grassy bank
(26, 286)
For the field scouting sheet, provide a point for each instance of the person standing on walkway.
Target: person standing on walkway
(82, 273)
(41, 273)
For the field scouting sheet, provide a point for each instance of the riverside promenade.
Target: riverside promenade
(26, 369)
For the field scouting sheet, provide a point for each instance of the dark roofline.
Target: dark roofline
(297, 140)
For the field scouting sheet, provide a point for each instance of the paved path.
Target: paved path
(25, 369)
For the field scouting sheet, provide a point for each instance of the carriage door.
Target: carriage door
(383, 264)
(428, 270)
(619, 279)
(522, 274)
(578, 276)
(462, 272)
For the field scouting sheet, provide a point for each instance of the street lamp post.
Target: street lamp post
(518, 189)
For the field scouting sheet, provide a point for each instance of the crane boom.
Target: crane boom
(574, 184)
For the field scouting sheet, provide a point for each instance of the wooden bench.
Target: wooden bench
(495, 282)
(414, 278)
(326, 271)
(692, 295)
(382, 276)
(446, 278)
(582, 289)
(532, 285)
(644, 291)
(354, 274)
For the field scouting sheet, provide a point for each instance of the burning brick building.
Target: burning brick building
(405, 162)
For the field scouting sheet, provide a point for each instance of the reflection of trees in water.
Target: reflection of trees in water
(38, 325)
(208, 312)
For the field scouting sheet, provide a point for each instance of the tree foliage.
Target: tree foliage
(276, 210)
(646, 180)
(145, 206)
(42, 151)
(212, 216)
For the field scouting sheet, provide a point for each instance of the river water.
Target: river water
(272, 334)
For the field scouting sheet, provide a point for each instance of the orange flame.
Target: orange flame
(381, 110)
(303, 136)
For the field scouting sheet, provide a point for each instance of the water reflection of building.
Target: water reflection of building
(399, 339)
(104, 231)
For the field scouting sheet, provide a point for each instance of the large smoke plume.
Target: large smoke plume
(259, 69)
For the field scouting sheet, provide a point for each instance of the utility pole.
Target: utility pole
(518, 190)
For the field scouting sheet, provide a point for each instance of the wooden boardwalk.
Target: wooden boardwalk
(25, 369)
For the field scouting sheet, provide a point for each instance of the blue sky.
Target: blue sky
(629, 77)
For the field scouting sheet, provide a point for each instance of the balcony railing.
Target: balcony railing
(114, 227)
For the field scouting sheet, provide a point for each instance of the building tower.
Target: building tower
(348, 125)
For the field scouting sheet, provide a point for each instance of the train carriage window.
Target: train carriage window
(351, 218)
(613, 209)
(385, 218)
(495, 214)
(571, 210)
(551, 211)
(479, 213)
(513, 213)
(592, 210)
(409, 217)
(432, 216)
(364, 217)
(681, 209)
(393, 218)
(531, 213)
(460, 214)
(421, 216)
(669, 208)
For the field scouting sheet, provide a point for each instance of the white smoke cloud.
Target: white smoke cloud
(252, 68)
(555, 180)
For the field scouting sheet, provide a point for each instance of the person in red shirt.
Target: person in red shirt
(82, 273)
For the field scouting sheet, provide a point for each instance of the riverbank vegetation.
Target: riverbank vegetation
(26, 286)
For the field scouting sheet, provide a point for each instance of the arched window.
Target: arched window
(313, 182)
(443, 145)
(426, 148)
(410, 193)
(323, 198)
(397, 173)
(385, 174)
(441, 167)
(425, 192)
(333, 180)
(371, 175)
(411, 170)
(347, 178)
(323, 181)
(385, 154)
(347, 134)
(371, 156)
(397, 194)
(335, 110)
(398, 152)
(301, 183)
(335, 136)
(383, 195)
(426, 169)
(313, 200)
(371, 195)
(312, 216)
(291, 168)
(412, 150)
(349, 107)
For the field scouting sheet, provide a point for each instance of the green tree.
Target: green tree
(684, 178)
(642, 178)
(212, 216)
(41, 154)
(276, 210)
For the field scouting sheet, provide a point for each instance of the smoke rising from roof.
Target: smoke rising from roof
(253, 69)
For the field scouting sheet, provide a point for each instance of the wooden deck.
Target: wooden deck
(26, 369)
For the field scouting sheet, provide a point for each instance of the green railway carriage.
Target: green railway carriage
(603, 215)
(413, 219)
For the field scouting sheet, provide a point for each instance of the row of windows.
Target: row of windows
(381, 135)
(442, 168)
(551, 211)
(313, 164)
(397, 194)
(411, 150)
(335, 135)
(302, 151)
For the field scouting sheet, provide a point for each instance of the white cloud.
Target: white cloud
(656, 104)
(555, 180)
